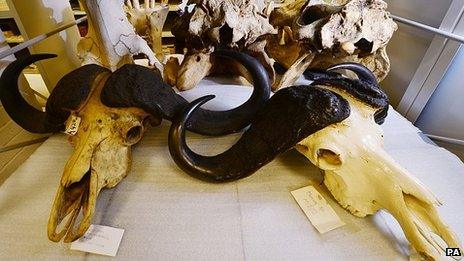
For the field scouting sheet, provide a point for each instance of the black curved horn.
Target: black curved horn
(291, 115)
(365, 89)
(68, 94)
(16, 106)
(137, 86)
(360, 70)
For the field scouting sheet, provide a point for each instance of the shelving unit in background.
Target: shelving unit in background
(168, 37)
(8, 25)
(4, 10)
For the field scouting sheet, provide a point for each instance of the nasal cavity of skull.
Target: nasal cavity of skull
(328, 158)
(133, 135)
(75, 194)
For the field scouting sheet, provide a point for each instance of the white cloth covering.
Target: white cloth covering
(167, 215)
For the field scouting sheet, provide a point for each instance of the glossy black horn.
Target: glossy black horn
(137, 86)
(365, 89)
(68, 95)
(291, 115)
(360, 70)
(16, 106)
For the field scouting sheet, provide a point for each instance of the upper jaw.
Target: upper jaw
(73, 206)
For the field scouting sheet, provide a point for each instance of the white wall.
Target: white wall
(444, 113)
(408, 44)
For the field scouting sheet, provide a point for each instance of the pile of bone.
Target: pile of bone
(334, 122)
(287, 38)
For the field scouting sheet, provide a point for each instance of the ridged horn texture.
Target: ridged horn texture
(365, 88)
(137, 86)
(68, 94)
(291, 115)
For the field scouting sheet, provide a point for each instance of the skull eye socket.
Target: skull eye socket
(328, 159)
(133, 135)
(316, 12)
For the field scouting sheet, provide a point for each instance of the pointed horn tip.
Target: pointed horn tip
(346, 65)
(360, 70)
(41, 56)
(200, 101)
(48, 55)
(24, 62)
(185, 114)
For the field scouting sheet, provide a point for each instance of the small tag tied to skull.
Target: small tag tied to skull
(72, 125)
(102, 240)
(315, 207)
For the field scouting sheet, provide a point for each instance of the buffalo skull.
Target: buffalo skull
(333, 32)
(334, 122)
(212, 24)
(114, 110)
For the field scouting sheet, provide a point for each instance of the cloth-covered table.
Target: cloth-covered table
(168, 215)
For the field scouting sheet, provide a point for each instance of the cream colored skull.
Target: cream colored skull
(101, 159)
(363, 178)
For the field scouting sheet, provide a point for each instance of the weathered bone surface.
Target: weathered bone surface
(334, 32)
(356, 31)
(333, 122)
(227, 22)
(101, 159)
(111, 40)
(148, 20)
(284, 14)
(378, 62)
(114, 109)
(236, 24)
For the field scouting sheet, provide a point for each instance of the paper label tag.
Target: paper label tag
(73, 125)
(100, 240)
(321, 214)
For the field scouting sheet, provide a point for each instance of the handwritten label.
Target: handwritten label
(321, 215)
(100, 240)
(72, 126)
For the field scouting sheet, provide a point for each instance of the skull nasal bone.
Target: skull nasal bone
(133, 135)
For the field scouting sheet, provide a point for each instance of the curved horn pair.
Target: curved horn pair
(366, 88)
(130, 86)
(291, 115)
(68, 94)
(136, 86)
